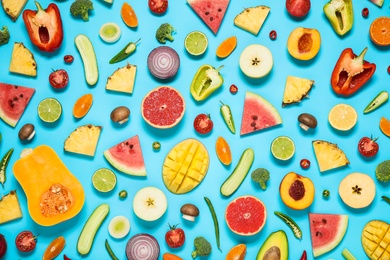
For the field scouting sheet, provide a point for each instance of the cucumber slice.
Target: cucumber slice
(87, 53)
(110, 32)
(239, 173)
(119, 227)
(379, 100)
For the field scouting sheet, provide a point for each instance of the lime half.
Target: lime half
(104, 180)
(282, 148)
(49, 110)
(196, 43)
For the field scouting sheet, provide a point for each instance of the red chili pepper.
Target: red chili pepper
(304, 255)
(44, 27)
(351, 72)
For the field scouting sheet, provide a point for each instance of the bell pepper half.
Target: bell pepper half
(206, 80)
(44, 27)
(340, 15)
(351, 72)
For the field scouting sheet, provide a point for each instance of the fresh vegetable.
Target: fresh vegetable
(298, 8)
(382, 171)
(54, 249)
(379, 100)
(340, 15)
(347, 254)
(110, 32)
(175, 236)
(44, 27)
(228, 117)
(388, 69)
(233, 89)
(326, 193)
(119, 227)
(291, 223)
(87, 53)
(203, 123)
(81, 8)
(365, 12)
(142, 246)
(206, 80)
(163, 62)
(304, 163)
(202, 247)
(156, 145)
(189, 211)
(169, 256)
(307, 121)
(122, 194)
(68, 58)
(3, 246)
(125, 52)
(25, 241)
(59, 79)
(4, 35)
(273, 35)
(164, 33)
(66, 258)
(3, 166)
(215, 221)
(368, 147)
(387, 199)
(109, 251)
(261, 176)
(351, 72)
(303, 256)
(158, 6)
(26, 132)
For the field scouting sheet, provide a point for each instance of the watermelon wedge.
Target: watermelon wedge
(127, 157)
(326, 231)
(210, 11)
(258, 114)
(13, 101)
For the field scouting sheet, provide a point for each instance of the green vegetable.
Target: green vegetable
(4, 35)
(125, 52)
(291, 223)
(261, 176)
(110, 252)
(87, 53)
(379, 100)
(326, 193)
(156, 145)
(164, 33)
(206, 80)
(3, 166)
(387, 199)
(228, 117)
(202, 247)
(81, 8)
(215, 220)
(87, 235)
(340, 15)
(382, 171)
(347, 254)
(122, 194)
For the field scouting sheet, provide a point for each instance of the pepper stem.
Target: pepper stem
(360, 58)
(219, 68)
(39, 7)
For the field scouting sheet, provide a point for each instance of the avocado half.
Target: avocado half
(274, 247)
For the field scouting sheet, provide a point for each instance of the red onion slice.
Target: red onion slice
(142, 247)
(163, 62)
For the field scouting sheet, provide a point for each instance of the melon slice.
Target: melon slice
(13, 101)
(326, 231)
(127, 157)
(258, 114)
(210, 11)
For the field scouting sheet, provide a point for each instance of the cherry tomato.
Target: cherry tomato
(25, 241)
(305, 163)
(203, 124)
(175, 237)
(59, 79)
(273, 35)
(158, 6)
(365, 12)
(233, 89)
(68, 58)
(368, 147)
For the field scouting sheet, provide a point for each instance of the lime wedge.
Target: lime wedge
(49, 110)
(196, 43)
(282, 148)
(104, 180)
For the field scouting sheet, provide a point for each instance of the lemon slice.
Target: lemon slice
(49, 110)
(196, 43)
(342, 117)
(104, 180)
(283, 148)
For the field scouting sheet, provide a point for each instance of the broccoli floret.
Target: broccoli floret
(202, 247)
(164, 32)
(260, 175)
(4, 35)
(382, 171)
(81, 8)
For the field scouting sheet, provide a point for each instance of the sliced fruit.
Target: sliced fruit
(256, 61)
(185, 166)
(13, 8)
(380, 31)
(83, 140)
(304, 43)
(384, 125)
(222, 149)
(22, 61)
(196, 43)
(342, 117)
(329, 156)
(296, 191)
(150, 203)
(378, 3)
(274, 247)
(128, 15)
(119, 227)
(376, 239)
(110, 32)
(326, 231)
(49, 110)
(296, 89)
(104, 180)
(237, 252)
(283, 148)
(82, 105)
(226, 47)
(122, 80)
(357, 190)
(10, 207)
(252, 18)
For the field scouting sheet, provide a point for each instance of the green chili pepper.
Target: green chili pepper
(125, 52)
(228, 117)
(122, 194)
(291, 223)
(387, 199)
(379, 100)
(156, 145)
(3, 165)
(110, 252)
(215, 220)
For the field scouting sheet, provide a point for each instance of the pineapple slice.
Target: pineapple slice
(22, 61)
(252, 18)
(10, 207)
(13, 8)
(83, 140)
(374, 241)
(328, 155)
(122, 79)
(296, 89)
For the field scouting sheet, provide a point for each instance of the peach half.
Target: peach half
(304, 43)
(296, 191)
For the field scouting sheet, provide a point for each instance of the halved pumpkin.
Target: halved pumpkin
(53, 193)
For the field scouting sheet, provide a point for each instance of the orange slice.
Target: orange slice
(226, 47)
(128, 15)
(82, 105)
(380, 31)
(384, 125)
(223, 151)
(237, 252)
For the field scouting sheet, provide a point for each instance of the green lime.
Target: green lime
(49, 110)
(282, 148)
(196, 43)
(104, 180)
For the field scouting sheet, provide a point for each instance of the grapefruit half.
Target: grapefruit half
(246, 215)
(163, 107)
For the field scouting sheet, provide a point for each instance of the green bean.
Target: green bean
(215, 220)
(110, 252)
(387, 199)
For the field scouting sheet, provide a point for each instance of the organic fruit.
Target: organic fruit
(273, 35)
(196, 43)
(13, 8)
(68, 58)
(274, 247)
(384, 125)
(329, 156)
(233, 89)
(378, 3)
(119, 227)
(149, 203)
(59, 79)
(252, 18)
(158, 6)
(375, 239)
(49, 110)
(10, 208)
(304, 163)
(304, 43)
(175, 236)
(342, 117)
(237, 252)
(128, 15)
(222, 149)
(380, 31)
(283, 148)
(25, 241)
(256, 61)
(3, 245)
(163, 107)
(22, 61)
(368, 147)
(110, 32)
(296, 89)
(142, 246)
(83, 140)
(54, 248)
(82, 105)
(104, 180)
(298, 8)
(203, 123)
(226, 47)
(357, 190)
(296, 191)
(122, 80)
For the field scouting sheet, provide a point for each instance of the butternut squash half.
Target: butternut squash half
(53, 193)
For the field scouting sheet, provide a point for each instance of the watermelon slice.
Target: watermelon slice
(258, 114)
(210, 11)
(326, 231)
(127, 157)
(13, 101)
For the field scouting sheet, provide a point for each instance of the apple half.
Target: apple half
(150, 203)
(256, 61)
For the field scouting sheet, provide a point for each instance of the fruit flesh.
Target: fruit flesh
(376, 240)
(304, 43)
(329, 156)
(297, 191)
(275, 245)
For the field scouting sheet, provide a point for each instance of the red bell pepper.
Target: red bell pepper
(44, 27)
(351, 72)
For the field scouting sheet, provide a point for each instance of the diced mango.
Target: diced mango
(378, 252)
(385, 256)
(170, 164)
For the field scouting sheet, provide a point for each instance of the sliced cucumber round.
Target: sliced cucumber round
(119, 227)
(110, 32)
